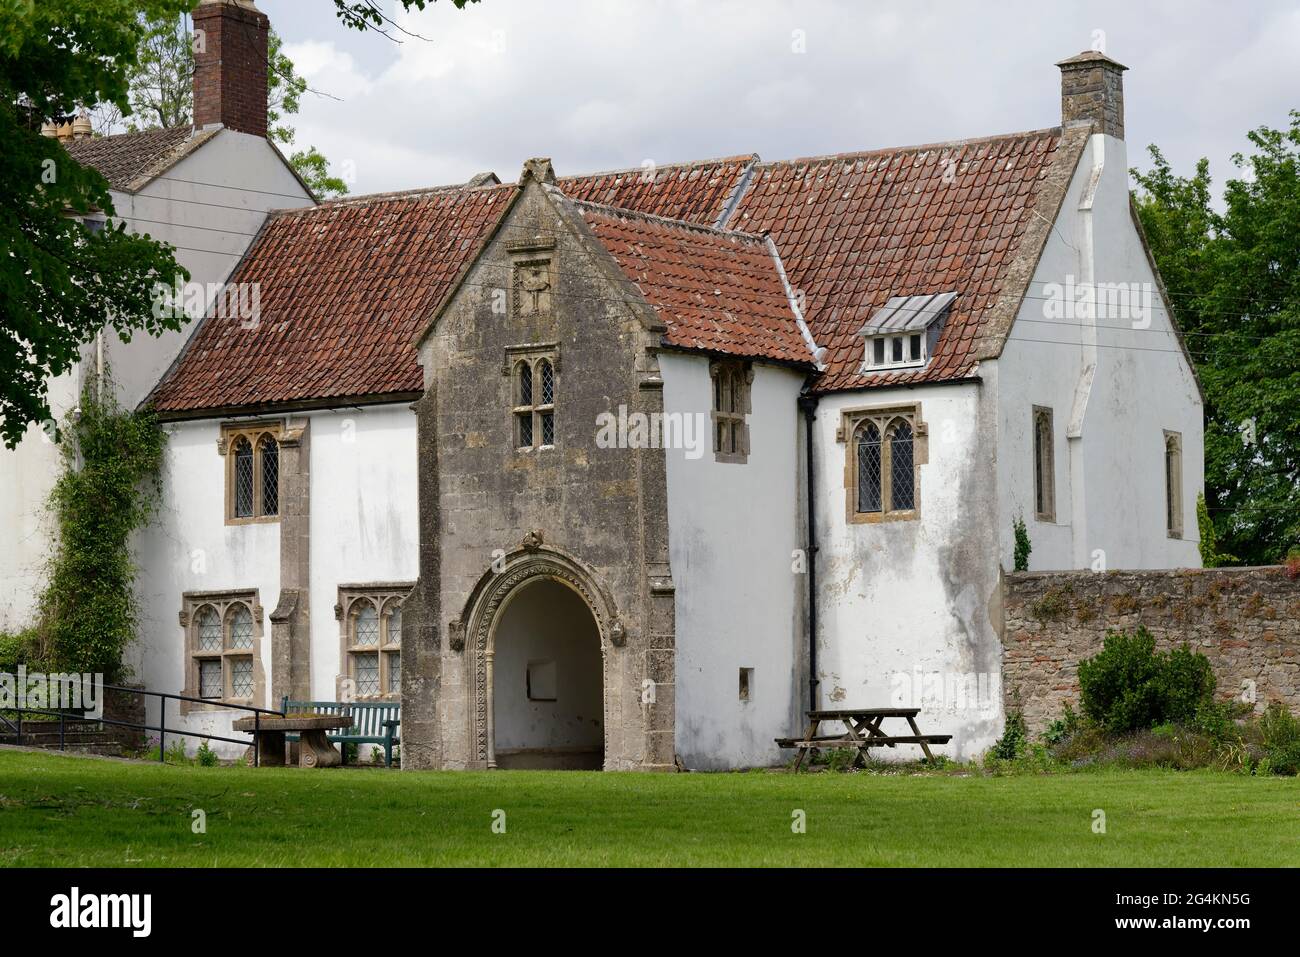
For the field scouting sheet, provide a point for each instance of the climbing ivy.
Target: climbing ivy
(105, 492)
(1211, 557)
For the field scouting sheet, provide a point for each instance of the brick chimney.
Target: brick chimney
(230, 62)
(1092, 91)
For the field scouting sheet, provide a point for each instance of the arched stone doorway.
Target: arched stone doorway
(547, 686)
(584, 622)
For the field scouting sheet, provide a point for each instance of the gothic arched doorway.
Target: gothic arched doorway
(547, 685)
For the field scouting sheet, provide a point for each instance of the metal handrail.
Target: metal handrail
(161, 727)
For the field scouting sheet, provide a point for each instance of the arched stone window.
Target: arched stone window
(534, 402)
(223, 639)
(882, 469)
(371, 638)
(252, 472)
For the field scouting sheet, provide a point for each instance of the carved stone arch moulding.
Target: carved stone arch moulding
(476, 627)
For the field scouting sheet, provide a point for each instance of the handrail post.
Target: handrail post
(257, 725)
(63, 746)
(162, 729)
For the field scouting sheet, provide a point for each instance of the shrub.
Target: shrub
(1023, 548)
(206, 756)
(1129, 686)
(1014, 740)
(1279, 733)
(1063, 727)
(20, 648)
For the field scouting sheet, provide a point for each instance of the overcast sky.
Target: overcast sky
(602, 85)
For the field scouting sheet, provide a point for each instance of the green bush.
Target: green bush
(1063, 727)
(1014, 740)
(1129, 686)
(1023, 546)
(206, 756)
(20, 648)
(1279, 733)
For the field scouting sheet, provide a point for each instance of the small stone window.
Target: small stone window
(223, 635)
(371, 640)
(1044, 465)
(886, 449)
(534, 384)
(732, 382)
(746, 683)
(1174, 484)
(252, 472)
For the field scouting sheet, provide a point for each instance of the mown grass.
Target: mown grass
(64, 811)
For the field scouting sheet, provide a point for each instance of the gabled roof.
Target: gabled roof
(718, 291)
(857, 229)
(130, 160)
(347, 286)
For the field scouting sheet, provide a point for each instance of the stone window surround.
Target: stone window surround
(731, 370)
(253, 431)
(538, 254)
(385, 596)
(531, 354)
(850, 420)
(1173, 466)
(222, 602)
(1044, 458)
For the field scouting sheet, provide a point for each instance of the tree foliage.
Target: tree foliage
(60, 282)
(1233, 275)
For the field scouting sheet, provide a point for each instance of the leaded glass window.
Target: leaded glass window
(270, 450)
(534, 405)
(241, 677)
(243, 478)
(209, 629)
(869, 473)
(367, 625)
(367, 673)
(901, 497)
(241, 628)
(210, 685)
(881, 478)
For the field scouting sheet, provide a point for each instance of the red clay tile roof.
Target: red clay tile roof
(856, 229)
(125, 158)
(344, 288)
(694, 192)
(717, 290)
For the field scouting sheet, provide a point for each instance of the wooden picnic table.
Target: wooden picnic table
(861, 732)
(314, 748)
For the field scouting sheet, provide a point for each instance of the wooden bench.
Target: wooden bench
(861, 731)
(373, 722)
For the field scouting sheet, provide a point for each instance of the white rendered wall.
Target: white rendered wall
(1118, 388)
(732, 533)
(905, 603)
(189, 547)
(363, 518)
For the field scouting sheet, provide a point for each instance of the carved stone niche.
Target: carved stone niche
(456, 635)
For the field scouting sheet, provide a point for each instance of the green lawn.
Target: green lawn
(58, 810)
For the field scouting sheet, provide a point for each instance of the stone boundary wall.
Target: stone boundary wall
(1245, 620)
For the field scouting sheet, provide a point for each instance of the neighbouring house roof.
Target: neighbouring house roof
(346, 286)
(717, 290)
(130, 160)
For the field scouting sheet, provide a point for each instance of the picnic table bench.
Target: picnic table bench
(861, 732)
(373, 722)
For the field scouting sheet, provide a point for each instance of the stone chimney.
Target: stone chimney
(1092, 91)
(230, 64)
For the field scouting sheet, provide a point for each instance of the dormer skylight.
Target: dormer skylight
(903, 332)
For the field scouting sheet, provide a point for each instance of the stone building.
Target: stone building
(627, 469)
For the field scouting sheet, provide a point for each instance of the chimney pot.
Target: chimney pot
(230, 65)
(1092, 91)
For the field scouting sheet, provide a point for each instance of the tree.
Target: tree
(368, 15)
(1234, 281)
(59, 281)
